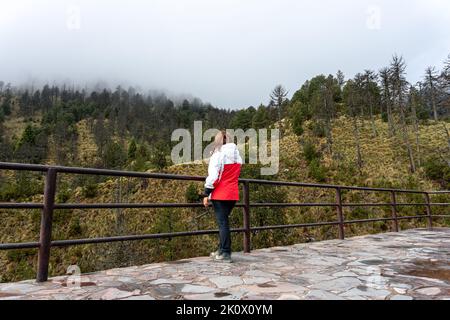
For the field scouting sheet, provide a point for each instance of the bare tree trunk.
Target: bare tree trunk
(358, 144)
(431, 77)
(372, 120)
(416, 129)
(329, 137)
(433, 101)
(412, 164)
(419, 161)
(328, 125)
(447, 159)
(390, 122)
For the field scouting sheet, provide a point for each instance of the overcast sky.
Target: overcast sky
(230, 53)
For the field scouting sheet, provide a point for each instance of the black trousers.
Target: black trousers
(223, 210)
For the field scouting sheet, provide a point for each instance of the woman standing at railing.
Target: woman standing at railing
(222, 188)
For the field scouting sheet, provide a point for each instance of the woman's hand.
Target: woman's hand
(205, 202)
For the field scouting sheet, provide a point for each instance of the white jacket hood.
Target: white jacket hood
(228, 154)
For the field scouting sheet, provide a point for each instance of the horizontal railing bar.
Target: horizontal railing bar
(368, 220)
(367, 204)
(93, 171)
(197, 205)
(130, 174)
(440, 216)
(292, 184)
(331, 223)
(292, 204)
(23, 166)
(21, 205)
(383, 204)
(65, 243)
(439, 192)
(121, 173)
(127, 205)
(412, 217)
(22, 245)
(328, 186)
(104, 205)
(383, 219)
(293, 226)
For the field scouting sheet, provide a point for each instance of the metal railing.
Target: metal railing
(48, 206)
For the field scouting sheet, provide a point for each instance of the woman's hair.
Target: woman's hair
(221, 138)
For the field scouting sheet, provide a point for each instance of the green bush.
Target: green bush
(317, 171)
(309, 152)
(75, 227)
(132, 148)
(192, 194)
(90, 190)
(298, 117)
(63, 196)
(18, 255)
(114, 156)
(6, 108)
(437, 169)
(318, 129)
(358, 213)
(297, 127)
(24, 186)
(158, 157)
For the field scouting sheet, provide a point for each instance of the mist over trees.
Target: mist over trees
(127, 126)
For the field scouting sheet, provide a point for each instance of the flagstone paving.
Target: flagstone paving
(412, 264)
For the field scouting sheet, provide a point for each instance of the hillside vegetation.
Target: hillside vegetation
(384, 165)
(375, 129)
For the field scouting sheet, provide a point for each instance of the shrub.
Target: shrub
(192, 194)
(90, 190)
(159, 160)
(19, 255)
(298, 117)
(437, 169)
(318, 129)
(24, 186)
(75, 227)
(132, 148)
(309, 152)
(63, 196)
(114, 156)
(317, 171)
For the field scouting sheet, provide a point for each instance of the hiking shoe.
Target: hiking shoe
(214, 254)
(224, 257)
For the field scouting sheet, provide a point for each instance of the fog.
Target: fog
(226, 52)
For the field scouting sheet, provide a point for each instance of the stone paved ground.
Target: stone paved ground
(413, 264)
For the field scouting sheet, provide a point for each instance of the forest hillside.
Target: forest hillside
(375, 129)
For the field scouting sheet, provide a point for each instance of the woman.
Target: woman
(221, 187)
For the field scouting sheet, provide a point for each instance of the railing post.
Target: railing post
(394, 211)
(45, 236)
(340, 213)
(246, 212)
(430, 217)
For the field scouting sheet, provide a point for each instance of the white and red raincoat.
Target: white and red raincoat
(223, 174)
